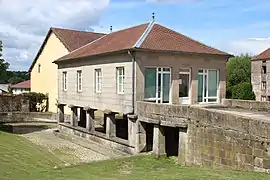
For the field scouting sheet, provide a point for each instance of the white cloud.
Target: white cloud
(172, 1)
(24, 24)
(252, 46)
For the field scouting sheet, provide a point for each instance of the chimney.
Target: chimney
(111, 29)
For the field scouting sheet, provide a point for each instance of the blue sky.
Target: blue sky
(241, 26)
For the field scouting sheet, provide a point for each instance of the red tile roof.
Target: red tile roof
(264, 55)
(24, 85)
(150, 37)
(165, 39)
(71, 39)
(120, 40)
(74, 39)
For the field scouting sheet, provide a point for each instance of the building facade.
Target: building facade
(22, 87)
(57, 43)
(148, 62)
(260, 76)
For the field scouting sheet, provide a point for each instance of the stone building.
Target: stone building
(260, 76)
(148, 62)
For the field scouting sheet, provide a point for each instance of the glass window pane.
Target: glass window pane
(200, 88)
(150, 83)
(212, 83)
(166, 88)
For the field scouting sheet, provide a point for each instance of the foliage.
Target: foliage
(239, 71)
(38, 101)
(243, 91)
(3, 66)
(14, 77)
(11, 77)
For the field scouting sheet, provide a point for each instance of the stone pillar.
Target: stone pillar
(159, 140)
(182, 145)
(140, 137)
(90, 116)
(132, 129)
(110, 124)
(175, 85)
(61, 114)
(193, 92)
(74, 115)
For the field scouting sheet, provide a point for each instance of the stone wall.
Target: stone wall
(18, 117)
(216, 139)
(247, 104)
(13, 103)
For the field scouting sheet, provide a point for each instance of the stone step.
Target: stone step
(106, 151)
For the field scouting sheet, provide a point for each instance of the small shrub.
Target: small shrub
(38, 101)
(243, 91)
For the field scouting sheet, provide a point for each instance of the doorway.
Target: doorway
(184, 86)
(171, 141)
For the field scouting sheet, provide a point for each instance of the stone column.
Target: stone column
(90, 116)
(110, 124)
(193, 92)
(140, 139)
(175, 85)
(182, 145)
(61, 114)
(74, 115)
(132, 129)
(159, 140)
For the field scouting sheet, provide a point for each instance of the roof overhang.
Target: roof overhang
(58, 61)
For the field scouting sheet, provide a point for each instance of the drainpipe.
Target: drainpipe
(133, 81)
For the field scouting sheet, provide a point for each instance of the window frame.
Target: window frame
(79, 80)
(118, 75)
(98, 80)
(264, 85)
(65, 82)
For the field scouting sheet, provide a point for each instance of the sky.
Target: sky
(236, 27)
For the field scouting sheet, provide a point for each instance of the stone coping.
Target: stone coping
(98, 134)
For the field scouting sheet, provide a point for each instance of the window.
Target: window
(263, 98)
(39, 68)
(208, 82)
(98, 76)
(263, 85)
(79, 81)
(264, 69)
(120, 80)
(65, 81)
(157, 85)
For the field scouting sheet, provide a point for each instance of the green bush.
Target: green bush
(38, 101)
(243, 91)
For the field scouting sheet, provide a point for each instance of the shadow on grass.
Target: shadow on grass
(22, 128)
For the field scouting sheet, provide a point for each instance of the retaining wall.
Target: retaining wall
(216, 139)
(247, 104)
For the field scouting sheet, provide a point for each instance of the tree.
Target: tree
(3, 66)
(243, 91)
(238, 72)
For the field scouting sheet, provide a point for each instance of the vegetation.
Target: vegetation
(239, 77)
(38, 101)
(22, 160)
(11, 77)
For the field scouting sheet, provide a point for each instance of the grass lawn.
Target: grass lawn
(20, 159)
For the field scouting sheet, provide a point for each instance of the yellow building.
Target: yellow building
(58, 42)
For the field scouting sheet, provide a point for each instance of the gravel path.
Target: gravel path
(66, 151)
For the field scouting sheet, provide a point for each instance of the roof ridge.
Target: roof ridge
(144, 35)
(257, 57)
(76, 30)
